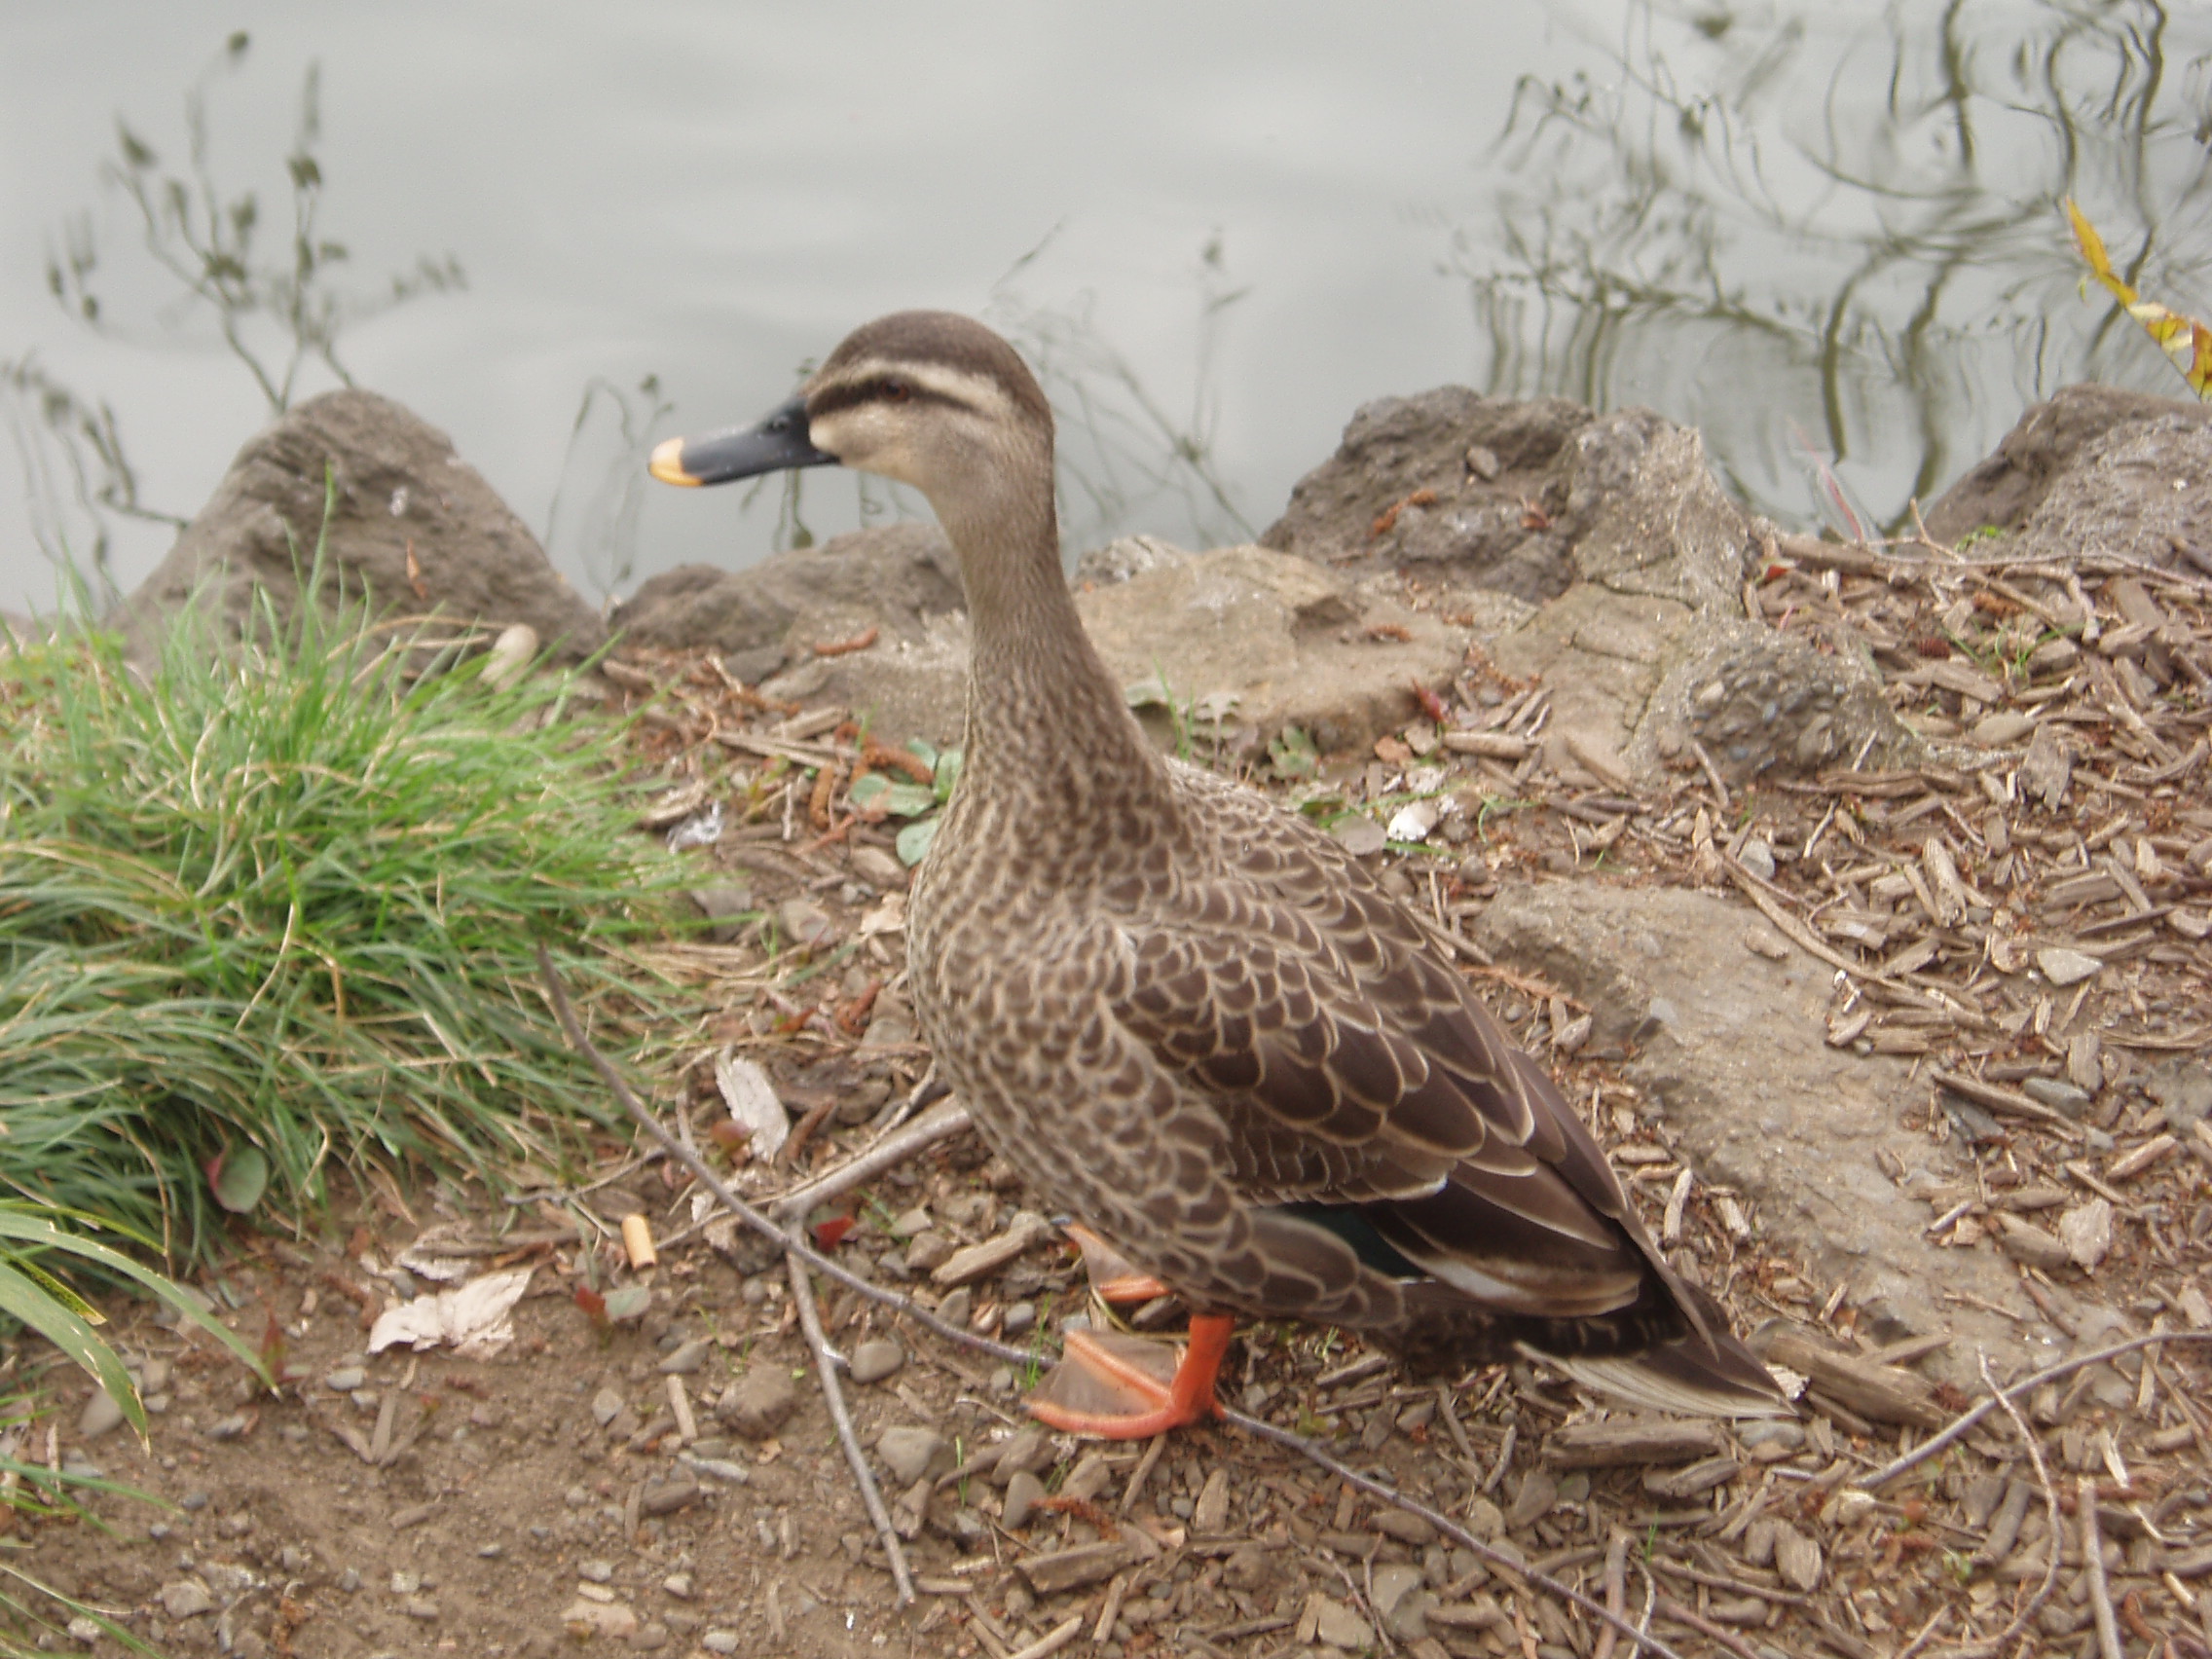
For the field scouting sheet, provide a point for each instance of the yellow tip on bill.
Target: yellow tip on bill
(667, 463)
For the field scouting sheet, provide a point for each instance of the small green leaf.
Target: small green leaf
(945, 773)
(922, 749)
(914, 842)
(238, 1178)
(1293, 755)
(628, 1302)
(867, 788)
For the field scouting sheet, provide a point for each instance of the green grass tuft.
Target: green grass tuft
(285, 901)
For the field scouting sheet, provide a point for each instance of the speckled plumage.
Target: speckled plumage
(1188, 1016)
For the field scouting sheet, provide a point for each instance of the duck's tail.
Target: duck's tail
(1686, 1376)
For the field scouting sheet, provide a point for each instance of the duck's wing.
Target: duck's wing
(1352, 1070)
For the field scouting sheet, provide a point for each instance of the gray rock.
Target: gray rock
(1026, 1450)
(2094, 468)
(2056, 1094)
(720, 1640)
(1796, 1558)
(665, 1497)
(759, 1402)
(1121, 559)
(1400, 1599)
(2183, 1089)
(876, 1360)
(606, 1406)
(1741, 1069)
(596, 1571)
(1021, 1496)
(410, 524)
(899, 579)
(1758, 857)
(101, 1414)
(1473, 530)
(186, 1597)
(910, 1453)
(1339, 1627)
(346, 1378)
(687, 1359)
(1249, 640)
(1017, 1319)
(1534, 1501)
(2063, 967)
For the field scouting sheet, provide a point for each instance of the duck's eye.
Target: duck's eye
(896, 391)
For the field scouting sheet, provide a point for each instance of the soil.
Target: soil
(427, 1503)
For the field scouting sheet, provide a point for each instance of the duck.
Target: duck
(1187, 1015)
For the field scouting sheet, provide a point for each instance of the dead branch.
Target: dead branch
(825, 1365)
(1966, 1422)
(1998, 1644)
(938, 1123)
(2094, 1561)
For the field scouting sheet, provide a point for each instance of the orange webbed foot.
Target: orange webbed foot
(1118, 1387)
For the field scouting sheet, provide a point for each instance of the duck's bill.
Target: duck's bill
(774, 444)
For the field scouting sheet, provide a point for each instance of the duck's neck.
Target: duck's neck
(1044, 715)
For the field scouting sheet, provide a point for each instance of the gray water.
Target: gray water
(1823, 229)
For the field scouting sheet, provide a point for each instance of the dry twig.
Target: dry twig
(2093, 1562)
(1964, 1423)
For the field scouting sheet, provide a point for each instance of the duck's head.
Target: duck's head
(929, 399)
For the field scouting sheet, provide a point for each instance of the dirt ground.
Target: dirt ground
(672, 1480)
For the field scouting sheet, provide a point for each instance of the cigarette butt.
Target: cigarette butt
(638, 1241)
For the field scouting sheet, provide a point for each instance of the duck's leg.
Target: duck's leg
(1113, 1387)
(1113, 1278)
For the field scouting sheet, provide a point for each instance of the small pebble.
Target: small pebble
(2064, 967)
(913, 1452)
(2058, 1095)
(1019, 1320)
(719, 1642)
(101, 1414)
(606, 1405)
(1023, 1494)
(876, 1360)
(688, 1358)
(1758, 857)
(678, 1585)
(193, 1500)
(346, 1378)
(350, 1580)
(958, 1307)
(595, 1572)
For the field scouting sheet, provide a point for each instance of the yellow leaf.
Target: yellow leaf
(2093, 250)
(2184, 339)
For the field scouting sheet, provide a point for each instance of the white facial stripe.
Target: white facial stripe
(978, 391)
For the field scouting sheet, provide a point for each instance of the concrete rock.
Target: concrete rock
(1254, 640)
(2094, 468)
(766, 620)
(410, 524)
(1477, 460)
(1121, 559)
(1730, 1048)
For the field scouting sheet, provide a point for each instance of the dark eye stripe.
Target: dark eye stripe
(879, 388)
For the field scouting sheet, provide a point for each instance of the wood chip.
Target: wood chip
(1072, 1569)
(1633, 1440)
(1880, 1393)
(981, 1261)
